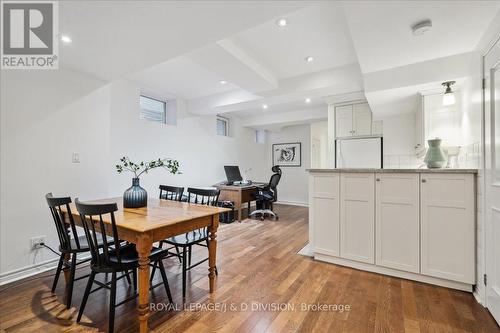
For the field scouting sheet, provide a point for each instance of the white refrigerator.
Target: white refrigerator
(359, 153)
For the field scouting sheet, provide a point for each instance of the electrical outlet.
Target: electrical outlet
(37, 241)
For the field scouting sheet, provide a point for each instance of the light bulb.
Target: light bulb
(448, 99)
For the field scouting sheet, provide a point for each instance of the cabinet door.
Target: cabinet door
(357, 217)
(325, 205)
(343, 121)
(448, 226)
(362, 119)
(397, 221)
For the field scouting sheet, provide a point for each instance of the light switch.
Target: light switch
(75, 158)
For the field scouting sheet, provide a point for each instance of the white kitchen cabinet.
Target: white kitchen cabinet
(353, 120)
(325, 206)
(357, 217)
(448, 228)
(397, 221)
(362, 119)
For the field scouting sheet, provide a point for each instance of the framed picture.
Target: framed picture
(287, 154)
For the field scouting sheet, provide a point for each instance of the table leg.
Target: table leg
(66, 267)
(144, 245)
(239, 213)
(212, 251)
(66, 271)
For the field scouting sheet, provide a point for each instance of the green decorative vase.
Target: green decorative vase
(435, 156)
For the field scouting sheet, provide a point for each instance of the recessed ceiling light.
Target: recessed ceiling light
(309, 59)
(282, 22)
(421, 27)
(308, 100)
(264, 106)
(66, 39)
(223, 82)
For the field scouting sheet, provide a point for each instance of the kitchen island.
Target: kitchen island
(417, 224)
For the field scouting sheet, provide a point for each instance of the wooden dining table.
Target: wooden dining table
(161, 219)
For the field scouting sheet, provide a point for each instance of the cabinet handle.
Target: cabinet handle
(424, 181)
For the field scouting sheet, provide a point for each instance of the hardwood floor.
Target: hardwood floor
(258, 267)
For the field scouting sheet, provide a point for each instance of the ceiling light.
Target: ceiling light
(223, 82)
(282, 22)
(66, 39)
(309, 59)
(308, 100)
(449, 95)
(421, 27)
(264, 106)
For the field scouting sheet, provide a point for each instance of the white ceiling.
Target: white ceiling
(182, 78)
(320, 31)
(184, 49)
(112, 39)
(382, 36)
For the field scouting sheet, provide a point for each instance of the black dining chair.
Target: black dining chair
(70, 243)
(173, 193)
(113, 256)
(199, 237)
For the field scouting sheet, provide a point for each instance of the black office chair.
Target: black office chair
(110, 258)
(196, 237)
(267, 195)
(68, 245)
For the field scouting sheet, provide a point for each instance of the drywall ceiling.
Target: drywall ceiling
(114, 38)
(183, 49)
(382, 35)
(320, 31)
(183, 78)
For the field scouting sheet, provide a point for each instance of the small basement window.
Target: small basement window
(153, 109)
(222, 126)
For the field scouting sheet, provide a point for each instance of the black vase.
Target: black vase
(135, 196)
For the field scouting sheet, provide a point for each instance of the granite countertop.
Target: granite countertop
(423, 170)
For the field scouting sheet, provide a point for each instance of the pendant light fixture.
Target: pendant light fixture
(449, 95)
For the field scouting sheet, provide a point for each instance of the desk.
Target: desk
(159, 220)
(238, 194)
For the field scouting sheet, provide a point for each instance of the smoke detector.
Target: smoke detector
(421, 27)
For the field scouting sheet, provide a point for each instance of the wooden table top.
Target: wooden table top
(157, 214)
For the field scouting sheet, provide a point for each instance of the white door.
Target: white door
(325, 213)
(492, 178)
(397, 222)
(447, 226)
(362, 119)
(357, 217)
(343, 121)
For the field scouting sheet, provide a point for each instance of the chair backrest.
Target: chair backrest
(274, 180)
(171, 192)
(95, 228)
(209, 197)
(63, 233)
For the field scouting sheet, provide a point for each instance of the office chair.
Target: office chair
(267, 195)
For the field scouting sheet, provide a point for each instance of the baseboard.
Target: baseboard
(28, 271)
(393, 272)
(293, 203)
(477, 297)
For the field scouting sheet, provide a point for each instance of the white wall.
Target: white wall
(293, 186)
(45, 116)
(319, 144)
(48, 115)
(201, 153)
